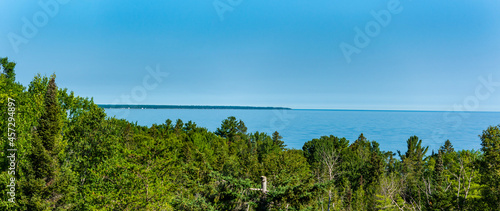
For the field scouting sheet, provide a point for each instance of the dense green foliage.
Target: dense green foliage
(71, 156)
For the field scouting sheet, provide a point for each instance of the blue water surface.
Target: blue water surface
(390, 129)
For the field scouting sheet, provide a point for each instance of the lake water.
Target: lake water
(389, 128)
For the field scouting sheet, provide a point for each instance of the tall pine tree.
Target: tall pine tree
(48, 184)
(490, 167)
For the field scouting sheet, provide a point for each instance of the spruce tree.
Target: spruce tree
(49, 127)
(277, 140)
(490, 167)
(47, 185)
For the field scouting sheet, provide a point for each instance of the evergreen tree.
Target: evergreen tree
(8, 69)
(447, 147)
(413, 170)
(439, 198)
(178, 126)
(48, 184)
(49, 127)
(231, 129)
(277, 140)
(490, 167)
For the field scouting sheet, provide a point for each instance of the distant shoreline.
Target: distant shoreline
(112, 106)
(123, 106)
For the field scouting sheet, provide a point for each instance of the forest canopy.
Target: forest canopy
(69, 155)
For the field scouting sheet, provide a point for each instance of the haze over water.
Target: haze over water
(390, 129)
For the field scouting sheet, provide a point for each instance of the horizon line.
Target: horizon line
(395, 110)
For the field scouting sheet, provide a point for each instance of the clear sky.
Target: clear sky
(429, 55)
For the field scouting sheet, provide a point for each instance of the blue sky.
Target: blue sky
(431, 55)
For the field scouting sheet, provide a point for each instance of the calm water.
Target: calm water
(389, 128)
